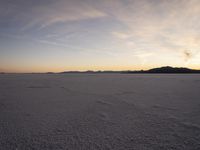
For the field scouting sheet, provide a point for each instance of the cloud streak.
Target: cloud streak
(74, 12)
(148, 31)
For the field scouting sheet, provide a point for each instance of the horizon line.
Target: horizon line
(92, 71)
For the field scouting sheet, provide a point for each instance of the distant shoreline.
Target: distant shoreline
(161, 70)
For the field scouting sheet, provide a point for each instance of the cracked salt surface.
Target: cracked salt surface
(99, 111)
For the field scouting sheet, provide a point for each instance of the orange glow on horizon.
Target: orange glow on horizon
(82, 68)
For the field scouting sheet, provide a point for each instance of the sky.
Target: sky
(63, 35)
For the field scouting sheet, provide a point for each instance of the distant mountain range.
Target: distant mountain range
(172, 70)
(166, 69)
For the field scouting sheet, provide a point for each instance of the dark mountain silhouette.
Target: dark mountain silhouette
(166, 69)
(92, 72)
(169, 69)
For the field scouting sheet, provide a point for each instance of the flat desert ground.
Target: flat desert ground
(100, 111)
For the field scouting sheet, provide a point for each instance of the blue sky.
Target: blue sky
(49, 35)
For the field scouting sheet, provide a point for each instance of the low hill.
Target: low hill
(166, 69)
(169, 69)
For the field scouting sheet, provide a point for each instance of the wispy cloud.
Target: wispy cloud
(162, 25)
(121, 35)
(159, 31)
(60, 12)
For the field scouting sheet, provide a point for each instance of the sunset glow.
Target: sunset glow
(61, 35)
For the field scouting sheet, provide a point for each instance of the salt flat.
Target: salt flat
(99, 111)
